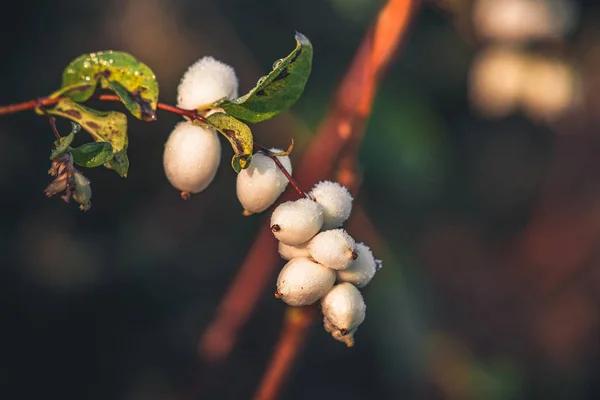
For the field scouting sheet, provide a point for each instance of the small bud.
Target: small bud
(287, 252)
(343, 311)
(205, 82)
(83, 191)
(360, 271)
(191, 158)
(336, 202)
(302, 282)
(334, 249)
(295, 222)
(259, 185)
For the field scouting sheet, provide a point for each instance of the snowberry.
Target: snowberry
(336, 202)
(259, 185)
(360, 271)
(287, 252)
(205, 82)
(343, 311)
(191, 158)
(295, 222)
(303, 281)
(334, 249)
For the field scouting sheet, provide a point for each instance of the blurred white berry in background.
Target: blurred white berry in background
(205, 82)
(295, 222)
(495, 80)
(302, 282)
(334, 249)
(343, 311)
(336, 202)
(523, 20)
(191, 158)
(550, 89)
(259, 185)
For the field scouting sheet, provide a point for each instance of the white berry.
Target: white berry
(343, 311)
(336, 202)
(287, 252)
(205, 82)
(259, 185)
(191, 158)
(303, 281)
(334, 249)
(360, 271)
(295, 222)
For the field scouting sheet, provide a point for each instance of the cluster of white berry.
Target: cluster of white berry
(319, 254)
(324, 261)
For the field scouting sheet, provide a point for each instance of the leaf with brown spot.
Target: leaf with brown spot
(133, 81)
(239, 136)
(103, 126)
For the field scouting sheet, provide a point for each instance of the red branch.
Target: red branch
(295, 329)
(43, 102)
(345, 123)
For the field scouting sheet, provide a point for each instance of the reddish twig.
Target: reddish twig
(47, 102)
(296, 324)
(289, 177)
(346, 122)
(51, 119)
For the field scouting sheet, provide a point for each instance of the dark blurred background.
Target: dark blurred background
(480, 172)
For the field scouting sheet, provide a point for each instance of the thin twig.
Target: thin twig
(47, 102)
(285, 172)
(51, 120)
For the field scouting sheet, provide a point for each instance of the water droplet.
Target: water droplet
(277, 63)
(261, 80)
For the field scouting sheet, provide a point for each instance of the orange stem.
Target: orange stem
(47, 102)
(296, 325)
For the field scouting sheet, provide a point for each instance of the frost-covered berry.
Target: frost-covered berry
(360, 271)
(259, 185)
(287, 252)
(336, 202)
(191, 158)
(343, 311)
(334, 249)
(303, 281)
(206, 81)
(295, 222)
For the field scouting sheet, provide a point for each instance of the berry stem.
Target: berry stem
(51, 120)
(289, 177)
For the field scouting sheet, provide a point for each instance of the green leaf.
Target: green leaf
(277, 91)
(238, 134)
(133, 81)
(61, 146)
(92, 154)
(103, 126)
(119, 163)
